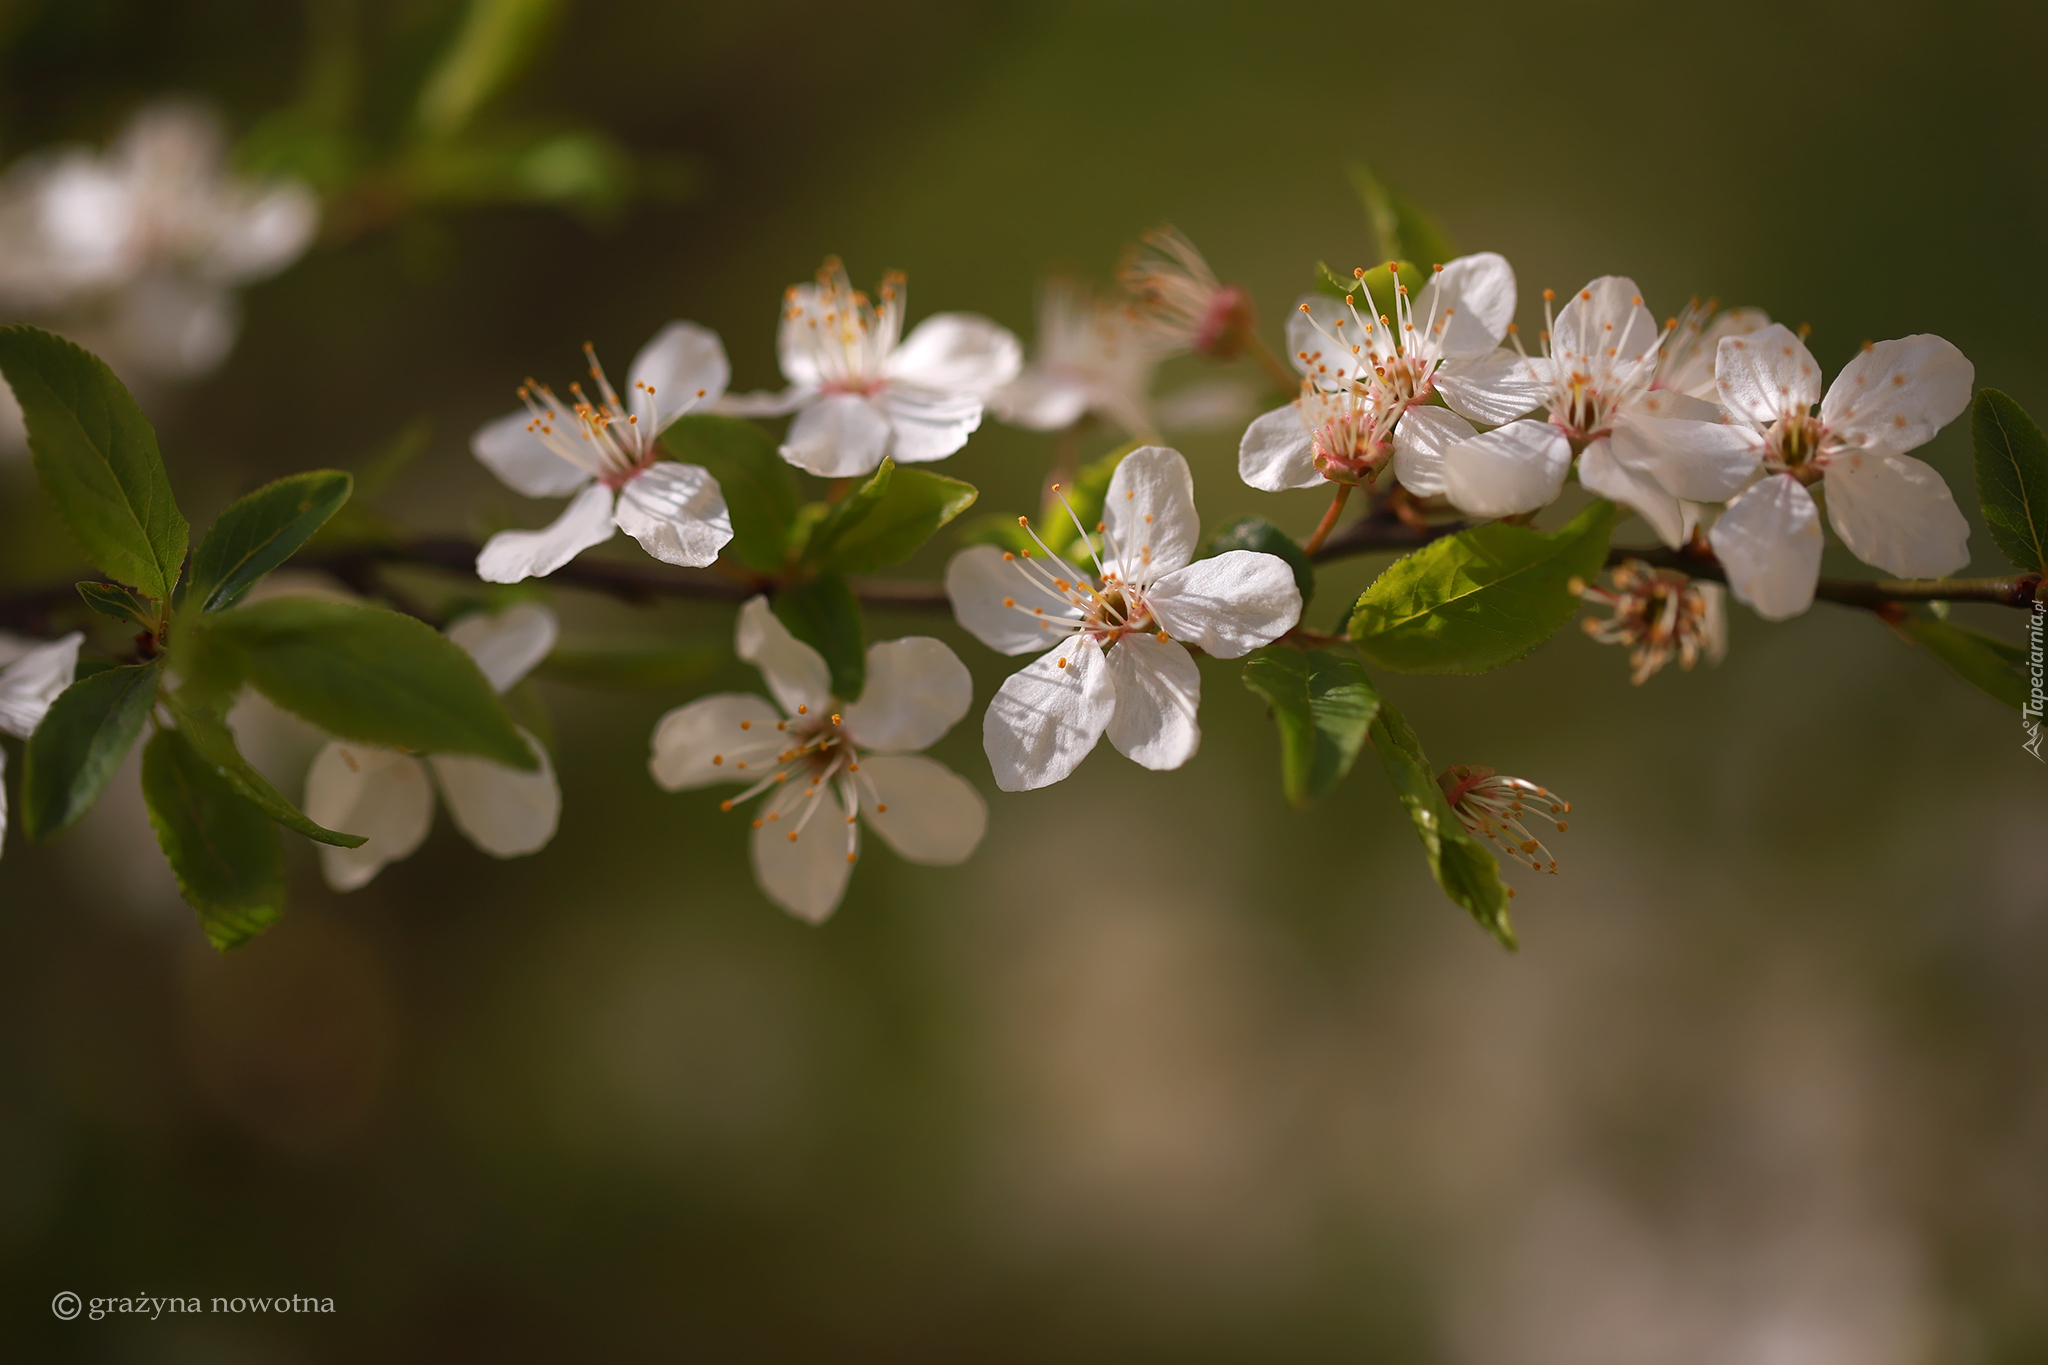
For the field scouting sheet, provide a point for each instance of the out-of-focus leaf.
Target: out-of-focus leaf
(206, 729)
(226, 854)
(111, 600)
(1262, 536)
(634, 667)
(1481, 598)
(825, 615)
(999, 529)
(366, 674)
(260, 531)
(575, 168)
(96, 455)
(496, 40)
(1375, 290)
(1323, 705)
(1404, 230)
(2012, 478)
(83, 737)
(1086, 494)
(887, 519)
(1462, 866)
(1995, 667)
(759, 486)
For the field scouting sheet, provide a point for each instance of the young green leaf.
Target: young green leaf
(96, 455)
(634, 667)
(1256, 533)
(912, 507)
(259, 532)
(847, 513)
(1403, 229)
(1995, 667)
(825, 615)
(760, 487)
(496, 40)
(227, 857)
(1481, 598)
(1462, 866)
(205, 726)
(999, 529)
(1378, 284)
(366, 674)
(1323, 705)
(83, 737)
(112, 600)
(2012, 478)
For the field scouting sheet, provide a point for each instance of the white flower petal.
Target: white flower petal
(1897, 394)
(1896, 512)
(979, 580)
(1507, 471)
(503, 811)
(1715, 628)
(507, 645)
(1769, 543)
(510, 556)
(1158, 691)
(174, 327)
(1277, 453)
(933, 816)
(677, 512)
(1046, 716)
(1042, 398)
(1469, 304)
(957, 353)
(1695, 374)
(693, 745)
(1763, 376)
(795, 672)
(1150, 513)
(380, 794)
(1607, 315)
(838, 436)
(1229, 604)
(761, 403)
(33, 680)
(928, 424)
(1700, 461)
(917, 690)
(1660, 403)
(1493, 387)
(685, 366)
(805, 875)
(510, 449)
(1330, 364)
(793, 345)
(1419, 445)
(1634, 488)
(262, 234)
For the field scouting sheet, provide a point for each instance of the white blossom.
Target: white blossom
(1090, 357)
(861, 390)
(1179, 303)
(1890, 509)
(1120, 663)
(33, 676)
(604, 449)
(825, 765)
(388, 796)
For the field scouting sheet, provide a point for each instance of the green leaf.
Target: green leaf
(760, 487)
(96, 456)
(999, 529)
(2012, 478)
(228, 858)
(1403, 229)
(634, 667)
(1460, 863)
(862, 535)
(496, 40)
(83, 737)
(365, 674)
(1996, 667)
(259, 532)
(120, 603)
(1379, 283)
(825, 615)
(850, 511)
(205, 727)
(1481, 598)
(1256, 533)
(1086, 494)
(1323, 705)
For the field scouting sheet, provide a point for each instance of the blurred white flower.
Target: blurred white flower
(606, 447)
(1091, 356)
(834, 763)
(1178, 302)
(1494, 807)
(1659, 615)
(1890, 509)
(33, 675)
(1686, 362)
(135, 251)
(388, 796)
(1121, 665)
(860, 393)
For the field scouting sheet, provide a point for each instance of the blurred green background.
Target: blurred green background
(1168, 1071)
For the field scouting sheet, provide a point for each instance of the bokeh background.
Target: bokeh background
(1168, 1071)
